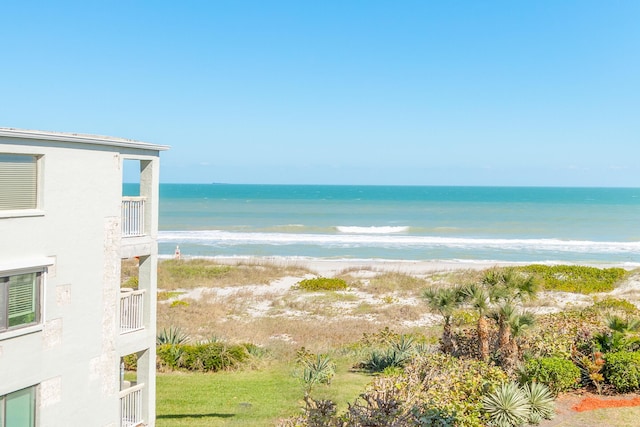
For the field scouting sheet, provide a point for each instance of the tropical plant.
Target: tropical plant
(591, 367)
(396, 355)
(506, 287)
(480, 301)
(541, 402)
(173, 336)
(316, 369)
(507, 406)
(445, 301)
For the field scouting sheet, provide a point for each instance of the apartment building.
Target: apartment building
(66, 323)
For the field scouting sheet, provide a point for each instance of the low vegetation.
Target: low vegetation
(188, 274)
(322, 284)
(575, 278)
(490, 362)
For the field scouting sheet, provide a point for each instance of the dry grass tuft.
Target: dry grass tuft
(399, 283)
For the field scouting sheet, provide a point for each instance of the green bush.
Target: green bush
(323, 284)
(575, 278)
(556, 373)
(202, 357)
(622, 370)
(452, 387)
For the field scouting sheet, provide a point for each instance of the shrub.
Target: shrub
(556, 373)
(507, 406)
(434, 390)
(575, 278)
(322, 284)
(452, 387)
(203, 357)
(132, 282)
(179, 303)
(616, 305)
(166, 295)
(622, 370)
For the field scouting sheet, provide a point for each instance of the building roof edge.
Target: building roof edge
(80, 138)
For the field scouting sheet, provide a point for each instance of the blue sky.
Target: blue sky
(339, 92)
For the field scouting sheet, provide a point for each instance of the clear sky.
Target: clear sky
(339, 92)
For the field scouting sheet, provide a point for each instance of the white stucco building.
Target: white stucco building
(65, 323)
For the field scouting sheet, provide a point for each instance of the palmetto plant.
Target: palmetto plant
(507, 406)
(481, 303)
(445, 301)
(507, 287)
(397, 355)
(622, 335)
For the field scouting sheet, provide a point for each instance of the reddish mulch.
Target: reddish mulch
(591, 403)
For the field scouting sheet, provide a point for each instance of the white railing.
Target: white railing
(131, 406)
(133, 216)
(131, 310)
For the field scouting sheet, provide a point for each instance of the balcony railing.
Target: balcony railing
(131, 310)
(133, 216)
(131, 406)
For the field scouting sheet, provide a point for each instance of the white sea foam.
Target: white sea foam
(226, 238)
(372, 230)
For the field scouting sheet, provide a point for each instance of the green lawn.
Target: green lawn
(244, 398)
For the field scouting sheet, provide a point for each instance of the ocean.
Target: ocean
(521, 224)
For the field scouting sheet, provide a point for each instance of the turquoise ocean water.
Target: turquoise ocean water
(592, 225)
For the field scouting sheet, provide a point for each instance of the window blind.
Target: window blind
(18, 181)
(22, 296)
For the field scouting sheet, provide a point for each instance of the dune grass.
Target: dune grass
(187, 274)
(245, 398)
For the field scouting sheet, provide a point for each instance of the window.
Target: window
(20, 300)
(18, 409)
(18, 181)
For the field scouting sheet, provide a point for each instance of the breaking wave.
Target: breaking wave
(371, 230)
(365, 237)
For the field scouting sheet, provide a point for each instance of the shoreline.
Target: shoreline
(330, 267)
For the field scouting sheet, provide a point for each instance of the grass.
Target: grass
(245, 398)
(394, 282)
(188, 274)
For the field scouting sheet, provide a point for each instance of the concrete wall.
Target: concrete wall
(75, 354)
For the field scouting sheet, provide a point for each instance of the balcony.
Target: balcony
(131, 310)
(131, 406)
(133, 216)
